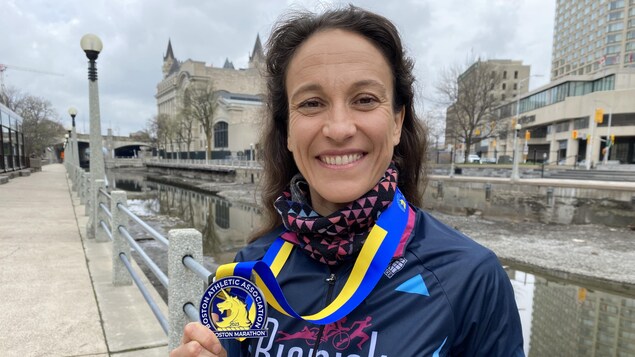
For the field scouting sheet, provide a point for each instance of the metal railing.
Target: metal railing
(230, 163)
(109, 221)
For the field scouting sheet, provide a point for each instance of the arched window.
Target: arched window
(221, 135)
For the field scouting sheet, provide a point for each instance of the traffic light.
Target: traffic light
(527, 134)
(574, 134)
(599, 115)
(612, 139)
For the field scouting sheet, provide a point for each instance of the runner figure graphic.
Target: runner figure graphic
(337, 333)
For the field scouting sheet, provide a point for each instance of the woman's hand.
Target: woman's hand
(198, 340)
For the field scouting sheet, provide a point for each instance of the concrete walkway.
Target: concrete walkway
(56, 297)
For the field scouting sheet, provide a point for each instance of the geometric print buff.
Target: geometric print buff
(339, 236)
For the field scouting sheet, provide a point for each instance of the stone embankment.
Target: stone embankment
(591, 255)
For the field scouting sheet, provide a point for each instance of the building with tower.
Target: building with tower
(238, 104)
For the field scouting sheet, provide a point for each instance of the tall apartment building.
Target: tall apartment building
(591, 36)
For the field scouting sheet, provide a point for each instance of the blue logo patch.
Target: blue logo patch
(239, 305)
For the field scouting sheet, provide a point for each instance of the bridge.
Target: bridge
(115, 147)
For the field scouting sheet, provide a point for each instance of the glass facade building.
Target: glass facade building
(12, 155)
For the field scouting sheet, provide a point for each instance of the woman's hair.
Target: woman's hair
(288, 35)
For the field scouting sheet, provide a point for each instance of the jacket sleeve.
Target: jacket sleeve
(487, 315)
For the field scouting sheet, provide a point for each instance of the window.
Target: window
(503, 97)
(221, 135)
(616, 15)
(618, 26)
(617, 4)
(504, 74)
(612, 49)
(629, 57)
(616, 37)
(515, 75)
(504, 86)
(515, 86)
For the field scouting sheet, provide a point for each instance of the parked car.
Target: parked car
(488, 160)
(473, 159)
(505, 159)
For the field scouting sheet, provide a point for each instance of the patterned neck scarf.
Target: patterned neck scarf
(341, 235)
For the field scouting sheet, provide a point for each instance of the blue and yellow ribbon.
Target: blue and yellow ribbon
(376, 254)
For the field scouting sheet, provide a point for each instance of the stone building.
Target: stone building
(238, 99)
(513, 82)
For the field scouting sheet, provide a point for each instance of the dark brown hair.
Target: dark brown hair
(286, 38)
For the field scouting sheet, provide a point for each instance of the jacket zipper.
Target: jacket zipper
(331, 281)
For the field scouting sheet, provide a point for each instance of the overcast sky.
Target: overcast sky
(44, 35)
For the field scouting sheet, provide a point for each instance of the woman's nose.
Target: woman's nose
(339, 124)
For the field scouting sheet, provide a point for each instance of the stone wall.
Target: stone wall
(546, 201)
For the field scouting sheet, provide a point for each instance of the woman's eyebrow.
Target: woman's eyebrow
(364, 83)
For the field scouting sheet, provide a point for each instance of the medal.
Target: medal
(239, 306)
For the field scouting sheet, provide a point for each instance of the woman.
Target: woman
(341, 146)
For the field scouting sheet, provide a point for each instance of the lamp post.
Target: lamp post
(515, 175)
(91, 44)
(72, 111)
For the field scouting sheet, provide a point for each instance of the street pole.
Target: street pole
(608, 138)
(92, 45)
(515, 175)
(590, 141)
(73, 112)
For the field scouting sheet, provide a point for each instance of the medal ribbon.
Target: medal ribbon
(376, 254)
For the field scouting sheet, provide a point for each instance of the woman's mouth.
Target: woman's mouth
(338, 160)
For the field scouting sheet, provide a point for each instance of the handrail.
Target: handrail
(144, 225)
(146, 294)
(198, 269)
(149, 262)
(191, 312)
(106, 210)
(109, 216)
(106, 229)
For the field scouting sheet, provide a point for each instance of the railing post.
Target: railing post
(100, 234)
(86, 185)
(92, 211)
(185, 286)
(120, 275)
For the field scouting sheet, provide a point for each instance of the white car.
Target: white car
(473, 159)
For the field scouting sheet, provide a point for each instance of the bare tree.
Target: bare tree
(202, 105)
(186, 122)
(471, 103)
(160, 128)
(40, 127)
(13, 98)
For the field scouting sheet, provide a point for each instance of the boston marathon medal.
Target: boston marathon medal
(239, 305)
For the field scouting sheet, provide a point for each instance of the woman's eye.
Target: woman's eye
(366, 100)
(311, 103)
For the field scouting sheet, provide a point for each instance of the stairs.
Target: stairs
(592, 175)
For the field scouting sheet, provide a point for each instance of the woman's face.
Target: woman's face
(342, 126)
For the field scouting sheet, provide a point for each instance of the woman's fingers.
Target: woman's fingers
(198, 340)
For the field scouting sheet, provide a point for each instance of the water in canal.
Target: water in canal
(559, 318)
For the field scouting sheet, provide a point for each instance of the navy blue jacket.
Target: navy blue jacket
(445, 295)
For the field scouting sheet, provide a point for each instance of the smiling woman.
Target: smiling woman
(348, 263)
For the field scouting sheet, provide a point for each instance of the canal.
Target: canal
(559, 318)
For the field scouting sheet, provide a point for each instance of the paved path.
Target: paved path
(56, 298)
